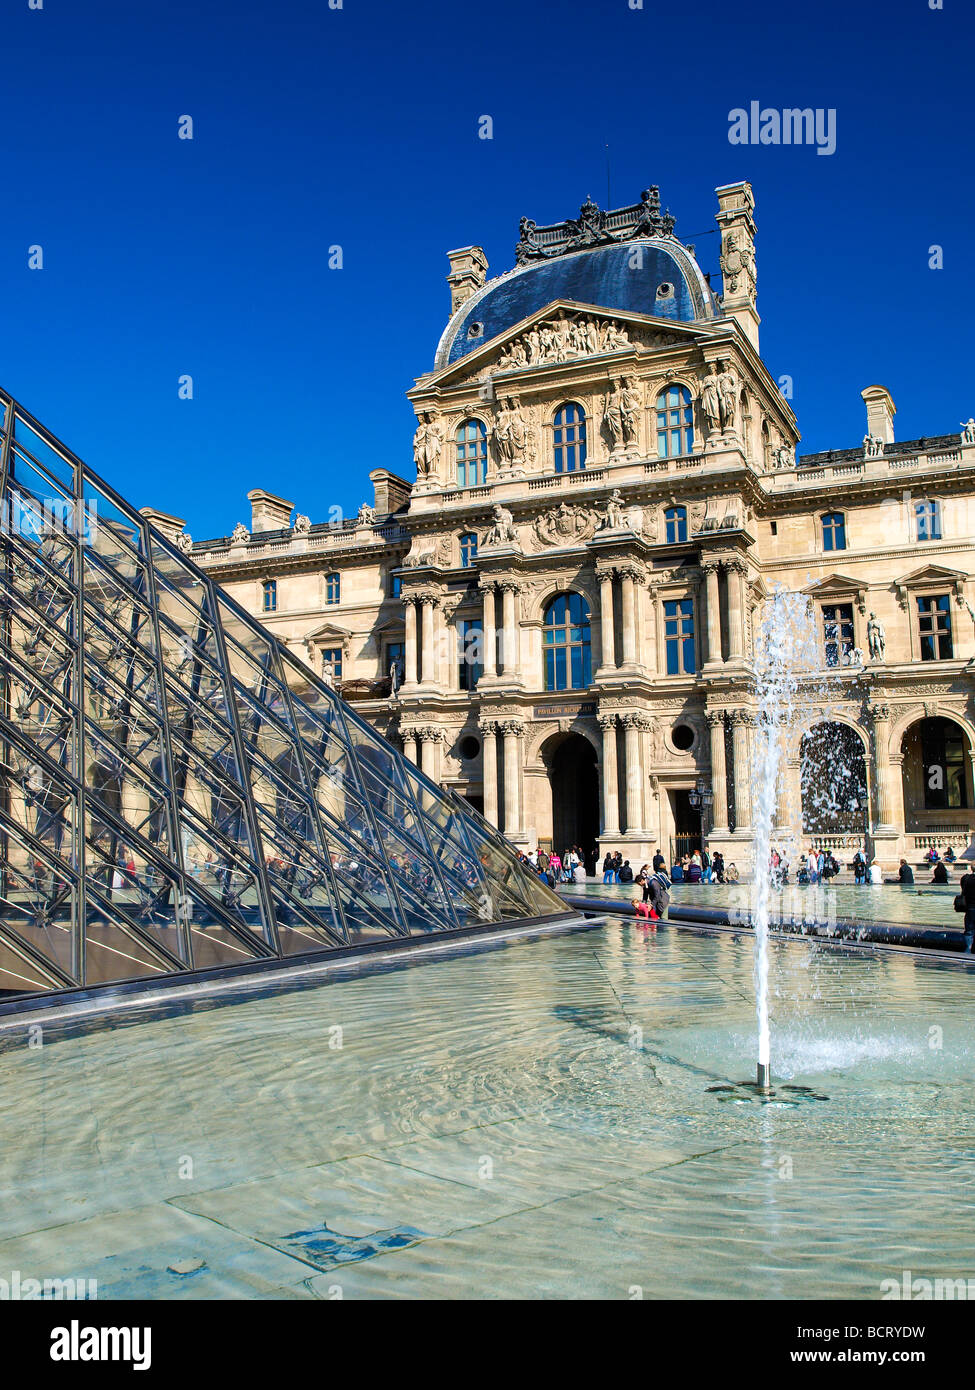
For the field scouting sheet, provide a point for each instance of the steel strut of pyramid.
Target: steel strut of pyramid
(178, 793)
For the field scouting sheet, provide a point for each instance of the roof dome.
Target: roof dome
(663, 280)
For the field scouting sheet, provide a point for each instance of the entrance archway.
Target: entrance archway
(833, 777)
(575, 795)
(937, 773)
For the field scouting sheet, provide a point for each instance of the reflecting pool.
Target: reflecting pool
(559, 1118)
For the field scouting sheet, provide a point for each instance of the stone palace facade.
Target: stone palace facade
(553, 610)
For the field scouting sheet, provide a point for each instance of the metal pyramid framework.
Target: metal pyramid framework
(177, 792)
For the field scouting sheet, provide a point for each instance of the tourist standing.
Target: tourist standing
(965, 901)
(717, 866)
(608, 868)
(860, 868)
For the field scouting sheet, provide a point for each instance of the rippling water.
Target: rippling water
(565, 1118)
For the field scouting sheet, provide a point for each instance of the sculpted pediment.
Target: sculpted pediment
(566, 331)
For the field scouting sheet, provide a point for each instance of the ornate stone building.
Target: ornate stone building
(556, 614)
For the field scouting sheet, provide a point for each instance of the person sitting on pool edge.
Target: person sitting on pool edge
(905, 874)
(940, 874)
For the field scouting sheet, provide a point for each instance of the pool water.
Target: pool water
(560, 1118)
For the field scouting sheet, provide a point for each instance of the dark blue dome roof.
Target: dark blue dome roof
(610, 277)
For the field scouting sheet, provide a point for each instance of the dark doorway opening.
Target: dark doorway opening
(575, 798)
(687, 825)
(476, 801)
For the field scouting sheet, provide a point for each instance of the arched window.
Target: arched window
(675, 519)
(566, 643)
(927, 515)
(468, 548)
(471, 453)
(675, 422)
(834, 531)
(569, 434)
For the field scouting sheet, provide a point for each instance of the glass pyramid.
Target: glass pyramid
(177, 792)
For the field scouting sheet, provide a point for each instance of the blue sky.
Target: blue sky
(358, 127)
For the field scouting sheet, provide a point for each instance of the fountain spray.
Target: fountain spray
(786, 652)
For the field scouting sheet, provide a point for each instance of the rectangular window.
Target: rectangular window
(834, 531)
(679, 636)
(934, 627)
(270, 595)
(395, 585)
(332, 656)
(333, 588)
(928, 518)
(838, 633)
(470, 650)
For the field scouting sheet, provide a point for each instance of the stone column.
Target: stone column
(425, 737)
(736, 609)
(713, 609)
(606, 625)
(411, 662)
(611, 801)
(740, 726)
(409, 746)
(428, 674)
(719, 772)
(489, 762)
(634, 772)
(628, 580)
(880, 715)
(511, 730)
(490, 633)
(509, 628)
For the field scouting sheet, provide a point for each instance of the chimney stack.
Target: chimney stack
(172, 527)
(269, 513)
(880, 413)
(468, 271)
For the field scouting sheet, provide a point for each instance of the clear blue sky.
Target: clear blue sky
(358, 127)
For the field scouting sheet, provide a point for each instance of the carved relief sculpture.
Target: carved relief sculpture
(567, 525)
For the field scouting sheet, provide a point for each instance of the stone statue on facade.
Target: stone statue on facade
(613, 415)
(395, 677)
(240, 534)
(630, 405)
(876, 639)
(184, 542)
(615, 517)
(968, 430)
(366, 515)
(711, 401)
(302, 524)
(783, 457)
(728, 397)
(328, 672)
(873, 446)
(427, 444)
(510, 433)
(502, 530)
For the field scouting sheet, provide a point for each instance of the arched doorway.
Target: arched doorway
(833, 778)
(575, 795)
